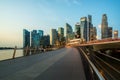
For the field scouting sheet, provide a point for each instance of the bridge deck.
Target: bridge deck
(63, 64)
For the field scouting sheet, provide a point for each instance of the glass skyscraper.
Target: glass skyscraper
(45, 41)
(94, 33)
(35, 38)
(104, 27)
(110, 32)
(26, 38)
(53, 36)
(68, 31)
(61, 33)
(83, 28)
(77, 30)
(90, 32)
(115, 33)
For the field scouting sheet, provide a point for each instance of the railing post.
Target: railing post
(26, 51)
(14, 52)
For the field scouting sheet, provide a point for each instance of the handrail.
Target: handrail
(93, 66)
(108, 65)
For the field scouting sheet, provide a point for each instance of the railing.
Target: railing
(103, 66)
(91, 72)
(78, 42)
(108, 65)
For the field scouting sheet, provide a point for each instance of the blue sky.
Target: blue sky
(15, 15)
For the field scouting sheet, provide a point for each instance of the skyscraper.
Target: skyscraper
(40, 32)
(109, 32)
(104, 27)
(90, 32)
(45, 41)
(77, 30)
(68, 31)
(26, 38)
(83, 28)
(94, 33)
(61, 33)
(53, 36)
(115, 33)
(35, 38)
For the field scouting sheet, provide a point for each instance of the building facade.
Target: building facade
(61, 33)
(104, 27)
(68, 31)
(53, 36)
(83, 28)
(77, 30)
(45, 41)
(35, 38)
(90, 29)
(110, 32)
(26, 38)
(94, 33)
(115, 33)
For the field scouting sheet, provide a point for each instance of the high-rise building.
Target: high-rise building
(26, 38)
(109, 32)
(104, 27)
(68, 31)
(40, 32)
(83, 28)
(71, 36)
(115, 33)
(90, 32)
(35, 38)
(61, 33)
(77, 30)
(53, 36)
(94, 33)
(45, 41)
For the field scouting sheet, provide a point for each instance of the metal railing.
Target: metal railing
(91, 72)
(102, 64)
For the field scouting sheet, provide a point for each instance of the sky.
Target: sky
(16, 15)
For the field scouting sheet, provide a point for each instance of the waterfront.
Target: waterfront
(8, 53)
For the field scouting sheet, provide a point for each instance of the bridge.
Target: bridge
(87, 61)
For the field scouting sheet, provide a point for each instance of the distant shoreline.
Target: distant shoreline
(7, 48)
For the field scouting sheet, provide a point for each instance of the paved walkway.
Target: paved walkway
(62, 64)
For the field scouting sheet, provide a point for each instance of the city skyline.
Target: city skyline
(34, 14)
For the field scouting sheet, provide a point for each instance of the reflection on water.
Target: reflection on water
(8, 54)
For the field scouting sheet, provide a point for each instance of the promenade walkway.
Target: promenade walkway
(62, 64)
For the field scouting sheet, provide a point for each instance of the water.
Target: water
(8, 54)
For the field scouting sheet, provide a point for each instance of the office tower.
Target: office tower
(94, 33)
(115, 33)
(77, 30)
(83, 28)
(40, 32)
(61, 33)
(26, 38)
(45, 41)
(109, 32)
(71, 36)
(90, 32)
(104, 27)
(68, 31)
(53, 36)
(35, 38)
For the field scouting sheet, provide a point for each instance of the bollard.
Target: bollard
(14, 52)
